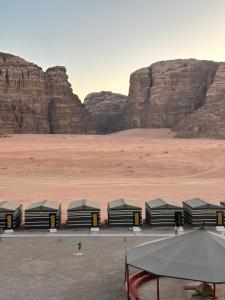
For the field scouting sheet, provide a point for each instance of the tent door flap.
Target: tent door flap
(9, 221)
(94, 219)
(136, 218)
(219, 218)
(52, 220)
(178, 219)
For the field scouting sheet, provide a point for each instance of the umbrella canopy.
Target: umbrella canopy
(198, 255)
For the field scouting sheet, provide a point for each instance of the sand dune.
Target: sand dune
(129, 164)
(161, 133)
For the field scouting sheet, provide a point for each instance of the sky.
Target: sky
(101, 42)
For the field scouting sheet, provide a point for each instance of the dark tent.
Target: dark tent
(10, 214)
(43, 215)
(198, 211)
(222, 203)
(124, 213)
(198, 255)
(161, 213)
(83, 213)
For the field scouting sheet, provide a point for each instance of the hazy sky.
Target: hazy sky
(102, 41)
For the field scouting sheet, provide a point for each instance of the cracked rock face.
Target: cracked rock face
(34, 101)
(107, 110)
(167, 92)
(209, 119)
(187, 95)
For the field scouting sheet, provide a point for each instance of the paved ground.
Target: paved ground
(45, 268)
(106, 232)
(42, 266)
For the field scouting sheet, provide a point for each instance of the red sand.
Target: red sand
(134, 164)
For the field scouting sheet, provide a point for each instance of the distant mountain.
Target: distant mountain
(107, 110)
(186, 95)
(33, 101)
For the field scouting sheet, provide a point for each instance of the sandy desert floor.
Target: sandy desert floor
(135, 164)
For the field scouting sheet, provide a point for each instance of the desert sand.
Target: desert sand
(138, 164)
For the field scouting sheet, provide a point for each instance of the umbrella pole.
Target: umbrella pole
(214, 288)
(157, 288)
(127, 280)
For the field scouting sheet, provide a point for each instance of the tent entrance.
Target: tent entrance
(52, 220)
(94, 219)
(9, 221)
(136, 218)
(219, 218)
(178, 219)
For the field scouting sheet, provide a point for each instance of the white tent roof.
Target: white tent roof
(161, 204)
(197, 203)
(43, 205)
(9, 205)
(123, 204)
(83, 204)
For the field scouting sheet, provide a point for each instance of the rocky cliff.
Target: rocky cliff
(166, 92)
(34, 101)
(108, 111)
(187, 95)
(209, 119)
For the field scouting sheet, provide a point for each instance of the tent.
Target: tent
(161, 213)
(173, 257)
(124, 213)
(10, 214)
(43, 215)
(222, 204)
(198, 211)
(83, 213)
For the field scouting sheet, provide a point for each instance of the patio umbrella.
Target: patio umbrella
(198, 255)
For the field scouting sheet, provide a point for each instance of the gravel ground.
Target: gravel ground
(48, 268)
(45, 268)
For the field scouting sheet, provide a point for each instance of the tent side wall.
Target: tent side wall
(123, 217)
(40, 219)
(81, 218)
(17, 217)
(162, 216)
(197, 216)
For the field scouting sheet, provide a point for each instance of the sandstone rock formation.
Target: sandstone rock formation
(167, 91)
(33, 101)
(187, 95)
(108, 111)
(208, 120)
